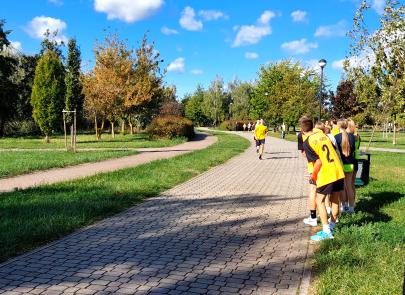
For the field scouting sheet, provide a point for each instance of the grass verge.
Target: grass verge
(16, 163)
(368, 253)
(33, 217)
(139, 140)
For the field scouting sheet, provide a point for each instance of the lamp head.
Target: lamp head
(322, 63)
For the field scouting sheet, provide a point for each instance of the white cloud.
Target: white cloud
(56, 2)
(299, 46)
(252, 34)
(378, 6)
(196, 72)
(177, 66)
(188, 21)
(209, 15)
(251, 55)
(38, 26)
(338, 29)
(298, 15)
(165, 30)
(366, 59)
(128, 10)
(16, 46)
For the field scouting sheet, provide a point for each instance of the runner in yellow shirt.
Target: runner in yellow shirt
(260, 135)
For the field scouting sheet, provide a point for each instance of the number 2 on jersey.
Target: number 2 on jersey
(325, 148)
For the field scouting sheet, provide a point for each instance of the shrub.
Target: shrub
(171, 126)
(234, 125)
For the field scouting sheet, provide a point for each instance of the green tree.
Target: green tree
(214, 103)
(48, 93)
(73, 98)
(240, 93)
(193, 107)
(8, 93)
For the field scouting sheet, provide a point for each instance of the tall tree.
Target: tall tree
(8, 92)
(344, 103)
(193, 107)
(240, 94)
(48, 93)
(214, 102)
(73, 97)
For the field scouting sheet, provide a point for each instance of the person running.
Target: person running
(311, 219)
(346, 144)
(260, 134)
(257, 144)
(327, 174)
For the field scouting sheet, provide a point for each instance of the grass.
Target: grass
(139, 140)
(380, 142)
(33, 217)
(16, 163)
(368, 252)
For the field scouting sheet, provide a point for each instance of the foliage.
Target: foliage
(240, 93)
(74, 96)
(234, 125)
(344, 103)
(215, 101)
(170, 126)
(193, 107)
(48, 93)
(8, 93)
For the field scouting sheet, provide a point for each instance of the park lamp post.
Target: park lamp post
(322, 63)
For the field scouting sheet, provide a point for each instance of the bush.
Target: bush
(170, 126)
(234, 125)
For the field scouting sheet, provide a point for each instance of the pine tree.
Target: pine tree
(48, 93)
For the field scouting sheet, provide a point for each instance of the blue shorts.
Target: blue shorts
(260, 142)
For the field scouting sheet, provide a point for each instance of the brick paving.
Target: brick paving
(236, 229)
(145, 155)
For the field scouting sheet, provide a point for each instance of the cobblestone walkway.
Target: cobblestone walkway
(236, 229)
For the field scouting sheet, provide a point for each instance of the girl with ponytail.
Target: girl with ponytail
(346, 145)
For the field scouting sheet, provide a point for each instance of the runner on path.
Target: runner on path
(260, 134)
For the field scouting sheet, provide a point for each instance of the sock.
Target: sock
(313, 214)
(326, 228)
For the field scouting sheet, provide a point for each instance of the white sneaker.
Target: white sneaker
(311, 221)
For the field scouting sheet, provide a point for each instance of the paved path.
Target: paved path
(236, 229)
(79, 171)
(383, 150)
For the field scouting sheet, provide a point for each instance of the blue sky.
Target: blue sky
(198, 39)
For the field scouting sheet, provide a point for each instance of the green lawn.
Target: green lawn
(88, 141)
(15, 163)
(368, 253)
(33, 217)
(380, 142)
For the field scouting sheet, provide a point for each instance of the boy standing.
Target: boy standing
(327, 174)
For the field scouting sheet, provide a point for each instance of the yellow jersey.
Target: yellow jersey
(310, 165)
(260, 132)
(335, 130)
(318, 146)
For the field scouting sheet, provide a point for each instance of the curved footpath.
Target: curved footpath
(145, 155)
(235, 229)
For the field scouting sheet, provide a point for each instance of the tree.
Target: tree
(48, 93)
(193, 107)
(384, 53)
(344, 103)
(8, 93)
(240, 94)
(214, 101)
(74, 97)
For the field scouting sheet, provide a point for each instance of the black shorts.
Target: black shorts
(260, 142)
(333, 187)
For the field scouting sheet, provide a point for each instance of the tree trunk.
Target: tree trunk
(371, 137)
(47, 140)
(122, 127)
(2, 128)
(96, 128)
(394, 135)
(112, 130)
(131, 128)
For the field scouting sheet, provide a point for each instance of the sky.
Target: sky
(198, 39)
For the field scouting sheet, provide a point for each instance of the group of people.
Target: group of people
(248, 127)
(332, 150)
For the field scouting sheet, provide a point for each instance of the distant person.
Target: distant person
(257, 144)
(249, 126)
(260, 134)
(244, 126)
(346, 145)
(283, 127)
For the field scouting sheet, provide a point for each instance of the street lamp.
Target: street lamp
(322, 63)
